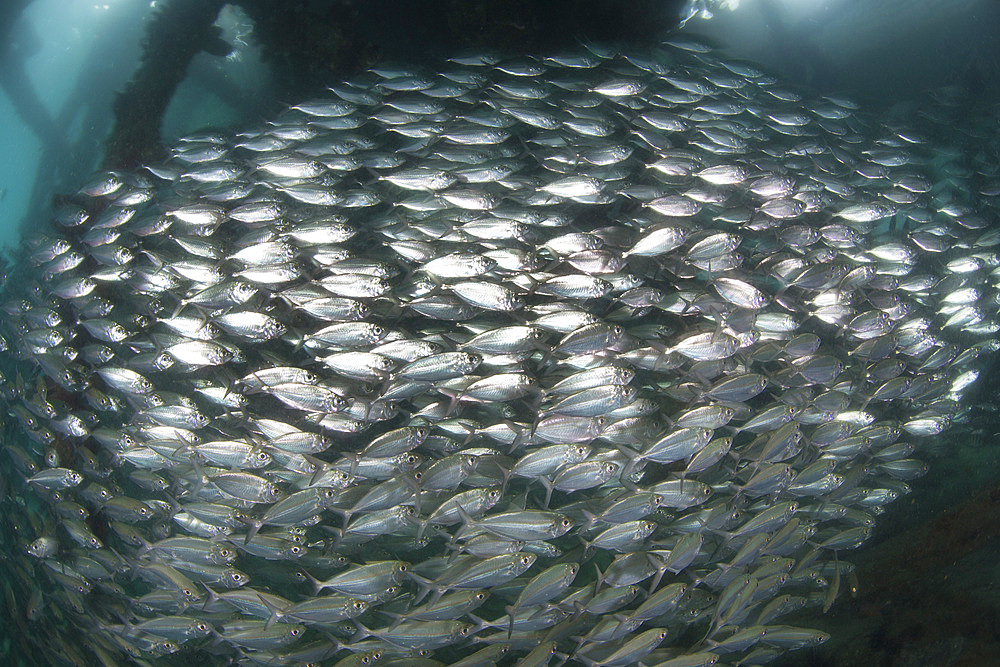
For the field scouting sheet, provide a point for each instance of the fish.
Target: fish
(609, 355)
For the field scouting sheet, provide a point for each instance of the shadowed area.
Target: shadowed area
(310, 44)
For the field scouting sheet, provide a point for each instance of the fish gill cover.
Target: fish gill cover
(594, 358)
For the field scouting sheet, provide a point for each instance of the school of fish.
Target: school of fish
(596, 358)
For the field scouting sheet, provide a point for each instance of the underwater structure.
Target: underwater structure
(309, 44)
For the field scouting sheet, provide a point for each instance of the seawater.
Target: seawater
(938, 544)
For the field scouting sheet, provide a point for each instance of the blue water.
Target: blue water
(73, 56)
(65, 57)
(70, 59)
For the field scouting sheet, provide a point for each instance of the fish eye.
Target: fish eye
(295, 632)
(201, 627)
(365, 660)
(377, 330)
(295, 551)
(422, 432)
(359, 605)
(402, 567)
(617, 330)
(566, 523)
(601, 421)
(188, 592)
